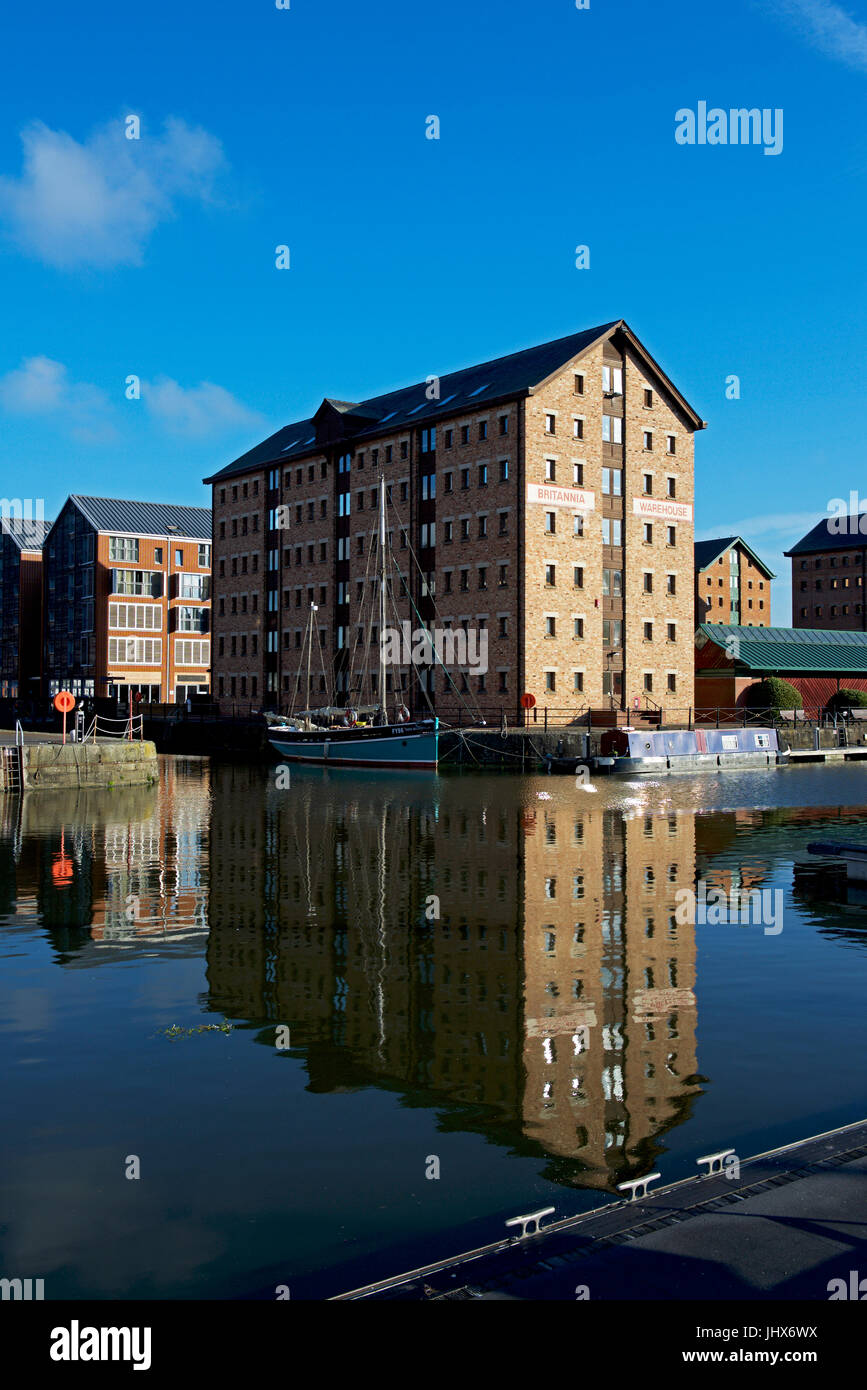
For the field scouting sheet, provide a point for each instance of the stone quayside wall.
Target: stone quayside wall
(51, 766)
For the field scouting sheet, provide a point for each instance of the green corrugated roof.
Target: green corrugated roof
(805, 650)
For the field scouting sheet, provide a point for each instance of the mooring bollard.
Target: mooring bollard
(715, 1161)
(533, 1217)
(633, 1186)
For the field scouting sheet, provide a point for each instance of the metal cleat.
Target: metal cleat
(715, 1161)
(637, 1187)
(530, 1224)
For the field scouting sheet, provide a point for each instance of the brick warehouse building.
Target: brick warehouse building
(731, 584)
(21, 607)
(829, 566)
(547, 495)
(119, 577)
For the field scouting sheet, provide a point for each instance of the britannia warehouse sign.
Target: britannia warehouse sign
(575, 498)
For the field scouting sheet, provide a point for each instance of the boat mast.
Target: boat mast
(313, 609)
(382, 595)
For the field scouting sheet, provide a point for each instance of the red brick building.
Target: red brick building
(732, 585)
(127, 599)
(544, 498)
(21, 607)
(829, 568)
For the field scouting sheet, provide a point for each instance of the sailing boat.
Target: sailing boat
(336, 737)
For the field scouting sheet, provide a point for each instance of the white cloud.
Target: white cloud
(43, 387)
(196, 411)
(96, 204)
(831, 28)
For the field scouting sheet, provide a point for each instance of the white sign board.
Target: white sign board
(576, 498)
(660, 509)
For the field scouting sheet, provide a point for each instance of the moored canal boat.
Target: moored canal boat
(666, 751)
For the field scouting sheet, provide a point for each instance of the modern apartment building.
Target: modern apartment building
(21, 607)
(127, 599)
(545, 498)
(829, 566)
(732, 585)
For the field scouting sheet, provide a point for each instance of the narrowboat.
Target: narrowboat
(665, 751)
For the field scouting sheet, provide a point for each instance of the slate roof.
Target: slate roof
(463, 390)
(823, 538)
(144, 518)
(708, 552)
(27, 535)
(795, 650)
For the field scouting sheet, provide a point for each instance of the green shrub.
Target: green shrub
(848, 699)
(772, 694)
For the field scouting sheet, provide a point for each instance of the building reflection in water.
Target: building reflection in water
(109, 873)
(550, 1006)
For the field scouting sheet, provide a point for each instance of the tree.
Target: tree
(772, 694)
(848, 699)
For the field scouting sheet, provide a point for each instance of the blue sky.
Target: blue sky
(410, 257)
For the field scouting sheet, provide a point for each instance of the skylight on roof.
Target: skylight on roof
(479, 389)
(445, 400)
(311, 440)
(390, 416)
(287, 447)
(417, 408)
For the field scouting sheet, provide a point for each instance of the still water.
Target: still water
(480, 969)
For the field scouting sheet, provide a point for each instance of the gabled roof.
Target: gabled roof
(27, 535)
(503, 378)
(845, 535)
(792, 650)
(144, 518)
(708, 552)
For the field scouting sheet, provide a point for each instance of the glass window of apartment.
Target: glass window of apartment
(647, 584)
(483, 429)
(465, 434)
(465, 528)
(578, 680)
(671, 583)
(577, 627)
(577, 525)
(578, 576)
(550, 522)
(123, 548)
(550, 470)
(577, 428)
(465, 479)
(158, 550)
(448, 527)
(671, 681)
(671, 535)
(578, 474)
(612, 429)
(483, 475)
(504, 523)
(648, 533)
(504, 470)
(648, 680)
(579, 383)
(550, 686)
(550, 576)
(670, 444)
(671, 486)
(483, 526)
(647, 436)
(648, 484)
(612, 632)
(550, 422)
(671, 631)
(648, 397)
(504, 424)
(648, 632)
(503, 576)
